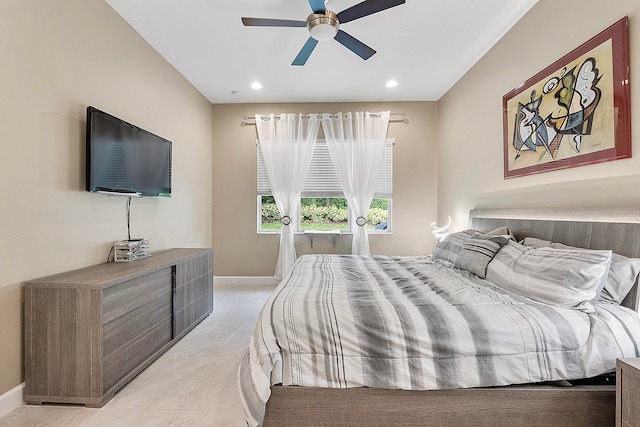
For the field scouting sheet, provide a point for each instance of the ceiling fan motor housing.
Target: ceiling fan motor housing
(323, 26)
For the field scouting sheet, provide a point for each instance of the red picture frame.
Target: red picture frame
(575, 112)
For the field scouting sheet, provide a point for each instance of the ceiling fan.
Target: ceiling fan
(324, 24)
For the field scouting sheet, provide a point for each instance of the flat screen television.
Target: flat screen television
(125, 159)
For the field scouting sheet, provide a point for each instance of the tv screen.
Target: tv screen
(125, 159)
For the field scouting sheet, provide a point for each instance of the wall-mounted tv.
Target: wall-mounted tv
(125, 159)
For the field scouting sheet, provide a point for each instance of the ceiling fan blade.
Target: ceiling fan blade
(365, 8)
(317, 6)
(354, 45)
(305, 52)
(267, 22)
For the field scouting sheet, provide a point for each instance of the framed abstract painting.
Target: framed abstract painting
(575, 112)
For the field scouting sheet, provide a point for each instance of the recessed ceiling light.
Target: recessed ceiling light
(236, 93)
(256, 85)
(392, 83)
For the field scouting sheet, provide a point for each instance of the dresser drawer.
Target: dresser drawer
(131, 295)
(137, 322)
(122, 361)
(194, 292)
(132, 308)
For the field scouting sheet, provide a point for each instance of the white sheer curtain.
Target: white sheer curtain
(287, 143)
(356, 145)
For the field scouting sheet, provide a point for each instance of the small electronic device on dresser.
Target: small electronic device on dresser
(131, 250)
(628, 392)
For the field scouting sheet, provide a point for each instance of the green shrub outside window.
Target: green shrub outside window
(331, 213)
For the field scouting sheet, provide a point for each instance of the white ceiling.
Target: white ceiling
(425, 45)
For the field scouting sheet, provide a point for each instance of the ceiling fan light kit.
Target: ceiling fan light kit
(324, 25)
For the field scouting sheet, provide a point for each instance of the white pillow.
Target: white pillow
(622, 275)
(449, 248)
(562, 277)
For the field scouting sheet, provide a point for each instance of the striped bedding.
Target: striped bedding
(414, 323)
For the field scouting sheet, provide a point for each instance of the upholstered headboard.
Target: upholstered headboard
(617, 229)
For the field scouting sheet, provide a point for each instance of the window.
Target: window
(322, 204)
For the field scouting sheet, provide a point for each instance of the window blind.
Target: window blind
(322, 181)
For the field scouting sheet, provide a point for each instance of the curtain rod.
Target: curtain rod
(333, 116)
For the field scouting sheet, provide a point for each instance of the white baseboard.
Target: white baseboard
(244, 280)
(13, 399)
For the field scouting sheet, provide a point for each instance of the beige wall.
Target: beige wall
(57, 58)
(470, 140)
(241, 251)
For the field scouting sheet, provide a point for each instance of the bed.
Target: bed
(348, 340)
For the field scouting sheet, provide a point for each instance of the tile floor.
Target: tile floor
(193, 384)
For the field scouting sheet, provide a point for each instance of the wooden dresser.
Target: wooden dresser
(88, 332)
(628, 392)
